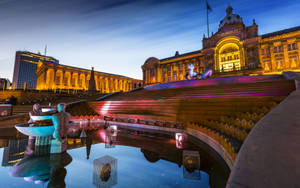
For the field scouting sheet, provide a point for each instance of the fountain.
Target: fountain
(46, 123)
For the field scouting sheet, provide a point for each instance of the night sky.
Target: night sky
(117, 36)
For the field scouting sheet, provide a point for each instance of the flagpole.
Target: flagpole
(207, 20)
(207, 23)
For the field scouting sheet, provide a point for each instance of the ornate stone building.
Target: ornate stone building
(235, 49)
(51, 76)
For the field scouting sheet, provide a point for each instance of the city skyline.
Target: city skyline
(118, 37)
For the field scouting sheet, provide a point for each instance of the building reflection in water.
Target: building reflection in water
(105, 172)
(180, 140)
(109, 136)
(42, 169)
(191, 165)
(14, 152)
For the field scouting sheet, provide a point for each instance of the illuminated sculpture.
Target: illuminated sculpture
(60, 122)
(42, 126)
(105, 172)
(192, 75)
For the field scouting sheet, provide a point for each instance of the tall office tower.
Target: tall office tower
(25, 69)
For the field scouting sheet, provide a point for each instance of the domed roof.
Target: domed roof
(151, 60)
(230, 18)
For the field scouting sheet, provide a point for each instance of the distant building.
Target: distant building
(235, 49)
(25, 69)
(52, 76)
(4, 83)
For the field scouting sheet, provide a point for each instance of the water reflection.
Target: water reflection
(155, 149)
(191, 163)
(14, 152)
(40, 170)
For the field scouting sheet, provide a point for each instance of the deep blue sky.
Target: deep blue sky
(117, 36)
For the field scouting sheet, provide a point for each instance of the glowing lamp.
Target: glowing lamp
(180, 140)
(113, 130)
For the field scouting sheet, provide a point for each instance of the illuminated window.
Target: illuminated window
(265, 51)
(278, 49)
(180, 67)
(293, 60)
(267, 65)
(279, 63)
(175, 76)
(169, 78)
(292, 46)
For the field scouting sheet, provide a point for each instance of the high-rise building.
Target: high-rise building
(25, 69)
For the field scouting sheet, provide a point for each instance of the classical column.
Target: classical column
(273, 61)
(110, 86)
(125, 86)
(87, 81)
(171, 66)
(117, 85)
(147, 74)
(120, 85)
(54, 80)
(96, 83)
(107, 85)
(298, 49)
(45, 78)
(286, 56)
(77, 80)
(158, 70)
(100, 83)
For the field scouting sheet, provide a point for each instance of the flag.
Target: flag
(208, 7)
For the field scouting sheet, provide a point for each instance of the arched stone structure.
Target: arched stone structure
(82, 84)
(50, 78)
(229, 54)
(67, 79)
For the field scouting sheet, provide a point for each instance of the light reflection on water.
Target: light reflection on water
(134, 161)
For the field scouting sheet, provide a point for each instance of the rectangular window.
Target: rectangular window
(278, 49)
(292, 46)
(180, 67)
(169, 78)
(265, 51)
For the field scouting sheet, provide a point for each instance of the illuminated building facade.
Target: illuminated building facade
(53, 76)
(25, 68)
(235, 49)
(4, 83)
